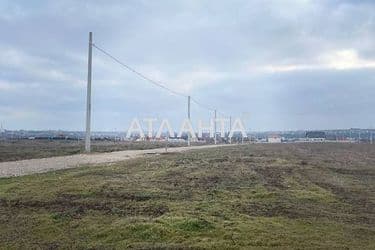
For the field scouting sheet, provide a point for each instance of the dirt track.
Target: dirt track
(26, 167)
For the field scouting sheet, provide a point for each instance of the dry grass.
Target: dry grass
(12, 150)
(289, 196)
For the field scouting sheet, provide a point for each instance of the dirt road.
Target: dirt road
(26, 167)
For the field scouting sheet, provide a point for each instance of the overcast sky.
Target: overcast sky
(280, 65)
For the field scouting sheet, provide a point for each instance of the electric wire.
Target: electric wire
(156, 83)
(138, 73)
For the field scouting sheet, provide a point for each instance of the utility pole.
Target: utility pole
(189, 119)
(359, 136)
(88, 104)
(215, 127)
(230, 129)
(372, 137)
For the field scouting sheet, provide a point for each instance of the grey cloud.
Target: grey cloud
(172, 41)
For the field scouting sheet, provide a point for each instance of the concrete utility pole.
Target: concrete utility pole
(230, 129)
(215, 127)
(189, 119)
(88, 104)
(359, 136)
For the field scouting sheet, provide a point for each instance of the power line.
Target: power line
(156, 83)
(202, 105)
(138, 73)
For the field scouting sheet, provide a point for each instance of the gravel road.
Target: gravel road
(26, 167)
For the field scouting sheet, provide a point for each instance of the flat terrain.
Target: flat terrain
(32, 166)
(288, 196)
(13, 150)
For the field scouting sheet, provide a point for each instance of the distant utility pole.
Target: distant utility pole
(230, 129)
(359, 136)
(372, 137)
(336, 135)
(88, 104)
(189, 119)
(215, 127)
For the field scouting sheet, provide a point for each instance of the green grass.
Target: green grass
(254, 196)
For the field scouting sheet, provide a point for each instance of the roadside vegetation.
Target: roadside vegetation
(289, 196)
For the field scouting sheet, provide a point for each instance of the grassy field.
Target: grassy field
(290, 196)
(11, 150)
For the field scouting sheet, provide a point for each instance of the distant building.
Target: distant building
(176, 140)
(261, 140)
(274, 139)
(316, 136)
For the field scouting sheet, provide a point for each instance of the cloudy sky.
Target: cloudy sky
(280, 65)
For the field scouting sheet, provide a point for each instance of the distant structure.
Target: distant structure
(316, 136)
(274, 138)
(2, 130)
